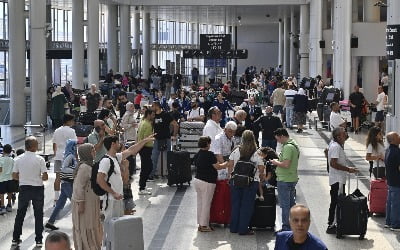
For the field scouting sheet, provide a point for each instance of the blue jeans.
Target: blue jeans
(393, 207)
(286, 197)
(66, 192)
(156, 153)
(289, 116)
(269, 143)
(242, 201)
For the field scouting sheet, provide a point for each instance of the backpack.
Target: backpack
(93, 179)
(67, 171)
(243, 173)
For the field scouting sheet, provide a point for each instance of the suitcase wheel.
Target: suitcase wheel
(189, 183)
(226, 225)
(362, 236)
(339, 235)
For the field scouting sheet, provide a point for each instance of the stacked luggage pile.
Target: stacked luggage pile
(189, 135)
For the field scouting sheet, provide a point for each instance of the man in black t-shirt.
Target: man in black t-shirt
(121, 104)
(162, 123)
(268, 124)
(356, 102)
(93, 99)
(177, 81)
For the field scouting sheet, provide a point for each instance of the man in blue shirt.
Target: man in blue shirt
(299, 238)
(392, 163)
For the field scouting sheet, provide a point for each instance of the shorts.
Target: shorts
(10, 186)
(355, 112)
(380, 116)
(137, 106)
(278, 109)
(57, 166)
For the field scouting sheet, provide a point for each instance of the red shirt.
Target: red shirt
(226, 88)
(138, 99)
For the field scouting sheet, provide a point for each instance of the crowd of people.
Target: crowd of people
(95, 174)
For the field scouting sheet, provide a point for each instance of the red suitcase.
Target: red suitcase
(377, 196)
(220, 211)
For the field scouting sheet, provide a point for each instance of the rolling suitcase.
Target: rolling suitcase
(179, 167)
(377, 196)
(352, 213)
(220, 211)
(82, 130)
(117, 237)
(264, 214)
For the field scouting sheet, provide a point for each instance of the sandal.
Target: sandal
(205, 229)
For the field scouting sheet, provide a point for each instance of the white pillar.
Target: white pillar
(315, 56)
(286, 47)
(93, 42)
(293, 39)
(136, 42)
(370, 64)
(304, 35)
(77, 44)
(112, 37)
(56, 71)
(342, 50)
(280, 42)
(146, 44)
(37, 17)
(154, 40)
(124, 35)
(354, 72)
(17, 52)
(393, 118)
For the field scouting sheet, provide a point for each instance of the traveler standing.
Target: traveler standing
(58, 101)
(93, 99)
(30, 169)
(278, 99)
(268, 124)
(335, 120)
(129, 123)
(289, 95)
(212, 127)
(286, 173)
(300, 102)
(356, 101)
(380, 102)
(376, 152)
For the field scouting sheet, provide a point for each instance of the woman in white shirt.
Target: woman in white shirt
(243, 197)
(376, 152)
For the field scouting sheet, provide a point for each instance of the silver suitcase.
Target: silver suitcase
(188, 144)
(192, 125)
(164, 165)
(125, 233)
(187, 137)
(191, 131)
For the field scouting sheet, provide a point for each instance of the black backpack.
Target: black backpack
(95, 169)
(243, 173)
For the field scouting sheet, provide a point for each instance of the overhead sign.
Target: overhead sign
(215, 54)
(215, 41)
(393, 42)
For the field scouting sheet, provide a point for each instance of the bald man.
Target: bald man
(299, 237)
(268, 124)
(392, 163)
(96, 138)
(93, 99)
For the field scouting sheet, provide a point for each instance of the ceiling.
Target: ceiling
(220, 15)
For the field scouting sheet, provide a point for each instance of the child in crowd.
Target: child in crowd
(267, 154)
(7, 184)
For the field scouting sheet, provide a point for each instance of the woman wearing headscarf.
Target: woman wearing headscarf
(300, 103)
(87, 229)
(67, 178)
(58, 101)
(129, 123)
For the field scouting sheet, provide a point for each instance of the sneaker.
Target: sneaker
(39, 244)
(386, 226)
(3, 210)
(144, 192)
(9, 208)
(395, 229)
(150, 179)
(331, 229)
(16, 242)
(261, 198)
(50, 226)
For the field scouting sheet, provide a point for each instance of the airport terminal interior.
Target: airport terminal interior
(203, 54)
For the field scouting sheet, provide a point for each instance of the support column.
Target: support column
(77, 44)
(146, 44)
(112, 37)
(154, 40)
(16, 54)
(370, 64)
(56, 76)
(304, 37)
(286, 46)
(195, 35)
(48, 43)
(93, 42)
(315, 56)
(136, 42)
(293, 39)
(342, 50)
(280, 42)
(393, 117)
(124, 36)
(37, 18)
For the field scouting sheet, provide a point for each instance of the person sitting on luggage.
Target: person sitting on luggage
(206, 176)
(195, 114)
(337, 172)
(376, 152)
(335, 120)
(243, 197)
(267, 154)
(299, 237)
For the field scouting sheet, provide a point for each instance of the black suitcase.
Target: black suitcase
(352, 214)
(264, 214)
(179, 167)
(82, 130)
(87, 118)
(327, 113)
(320, 109)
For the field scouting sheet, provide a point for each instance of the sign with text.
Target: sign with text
(393, 42)
(215, 54)
(215, 41)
